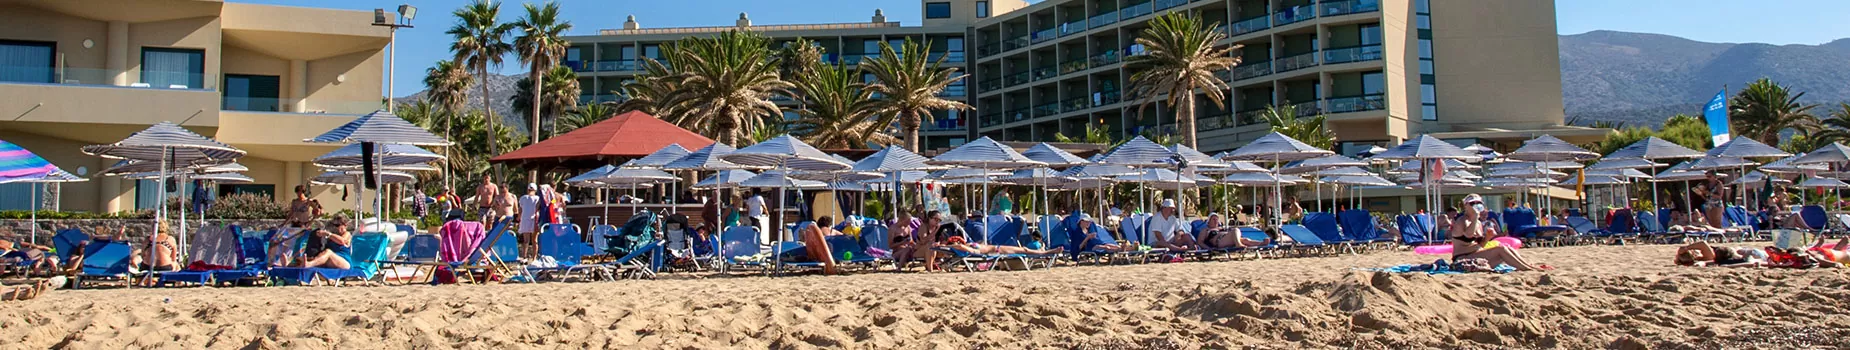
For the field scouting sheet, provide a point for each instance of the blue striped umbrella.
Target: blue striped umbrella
(1791, 165)
(724, 179)
(910, 177)
(1625, 163)
(1550, 148)
(1426, 147)
(661, 157)
(1139, 152)
(1196, 158)
(349, 177)
(963, 173)
(1745, 147)
(125, 167)
(985, 153)
(784, 152)
(894, 158)
(705, 159)
(586, 179)
(1320, 163)
(380, 127)
(1276, 147)
(1035, 176)
(1053, 156)
(384, 155)
(1653, 148)
(1834, 153)
(779, 179)
(1357, 180)
(170, 142)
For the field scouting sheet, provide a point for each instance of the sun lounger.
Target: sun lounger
(567, 249)
(1521, 223)
(739, 247)
(367, 250)
(1303, 239)
(420, 255)
(253, 258)
(1815, 218)
(1412, 233)
(1325, 228)
(105, 260)
(212, 248)
(1360, 229)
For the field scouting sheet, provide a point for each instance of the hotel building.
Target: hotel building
(260, 78)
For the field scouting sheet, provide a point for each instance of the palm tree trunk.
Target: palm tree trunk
(1185, 119)
(534, 174)
(494, 147)
(448, 151)
(910, 124)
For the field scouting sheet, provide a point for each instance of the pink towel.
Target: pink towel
(459, 240)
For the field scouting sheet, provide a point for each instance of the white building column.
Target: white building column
(298, 86)
(115, 53)
(109, 194)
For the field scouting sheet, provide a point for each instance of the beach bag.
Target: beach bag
(1472, 265)
(1788, 239)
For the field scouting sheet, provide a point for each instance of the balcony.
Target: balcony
(1352, 54)
(1250, 117)
(1074, 104)
(857, 58)
(576, 66)
(1168, 4)
(1344, 7)
(1047, 109)
(1133, 11)
(1306, 109)
(958, 90)
(614, 65)
(1045, 72)
(1250, 25)
(1015, 115)
(1296, 62)
(990, 49)
(1073, 65)
(991, 119)
(1103, 98)
(1100, 60)
(1041, 36)
(1016, 78)
(253, 104)
(1247, 70)
(990, 85)
(586, 100)
(1103, 19)
(945, 124)
(1372, 102)
(1214, 121)
(1015, 43)
(948, 57)
(1074, 27)
(1294, 14)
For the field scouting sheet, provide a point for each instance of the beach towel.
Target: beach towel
(460, 238)
(1437, 267)
(213, 248)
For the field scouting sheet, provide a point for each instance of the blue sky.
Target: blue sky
(1776, 22)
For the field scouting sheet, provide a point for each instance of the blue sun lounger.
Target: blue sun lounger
(201, 277)
(367, 250)
(105, 261)
(1303, 239)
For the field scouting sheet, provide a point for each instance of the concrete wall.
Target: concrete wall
(347, 83)
(190, 33)
(1497, 63)
(69, 32)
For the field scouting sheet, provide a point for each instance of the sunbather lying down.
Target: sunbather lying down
(1703, 254)
(33, 291)
(958, 244)
(1833, 256)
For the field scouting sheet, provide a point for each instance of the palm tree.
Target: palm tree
(838, 112)
(651, 91)
(480, 42)
(797, 59)
(909, 82)
(448, 84)
(1310, 130)
(724, 85)
(560, 95)
(1094, 133)
(585, 116)
(1181, 59)
(541, 45)
(1836, 128)
(1764, 109)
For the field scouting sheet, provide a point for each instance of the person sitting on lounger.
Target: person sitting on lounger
(36, 259)
(1469, 235)
(1216, 235)
(1703, 254)
(1681, 222)
(329, 247)
(1832, 256)
(166, 251)
(1086, 233)
(1170, 229)
(815, 243)
(957, 243)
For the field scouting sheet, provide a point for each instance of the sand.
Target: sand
(1626, 297)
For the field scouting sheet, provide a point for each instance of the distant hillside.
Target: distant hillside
(1642, 78)
(500, 88)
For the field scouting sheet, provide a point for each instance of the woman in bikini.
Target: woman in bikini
(1703, 254)
(1469, 235)
(958, 244)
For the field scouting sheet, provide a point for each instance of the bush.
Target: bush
(245, 206)
(74, 215)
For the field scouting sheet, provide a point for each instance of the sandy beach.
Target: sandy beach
(1627, 297)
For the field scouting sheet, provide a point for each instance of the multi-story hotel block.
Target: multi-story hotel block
(260, 78)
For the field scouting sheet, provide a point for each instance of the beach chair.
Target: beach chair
(600, 236)
(1004, 230)
(1427, 225)
(363, 264)
(253, 258)
(1053, 231)
(69, 242)
(1359, 228)
(104, 261)
(567, 248)
(1746, 224)
(212, 248)
(642, 262)
(1254, 234)
(1412, 233)
(1304, 241)
(420, 255)
(1521, 223)
(847, 251)
(1815, 218)
(1324, 226)
(1082, 250)
(878, 240)
(501, 252)
(739, 247)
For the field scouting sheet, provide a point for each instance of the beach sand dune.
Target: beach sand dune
(1626, 297)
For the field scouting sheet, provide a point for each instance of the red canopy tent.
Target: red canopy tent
(632, 134)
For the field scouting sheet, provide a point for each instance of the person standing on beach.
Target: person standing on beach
(420, 205)
(485, 196)
(302, 210)
(529, 222)
(504, 207)
(754, 208)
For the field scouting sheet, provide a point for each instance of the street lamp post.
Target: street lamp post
(402, 20)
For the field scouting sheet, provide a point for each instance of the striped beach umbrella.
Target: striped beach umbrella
(389, 154)
(18, 164)
(380, 127)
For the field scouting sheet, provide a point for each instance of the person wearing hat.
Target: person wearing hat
(1086, 235)
(529, 220)
(1470, 235)
(1169, 230)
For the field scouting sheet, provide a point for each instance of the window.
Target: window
(652, 51)
(1371, 34)
(168, 67)
(27, 61)
(628, 52)
(19, 196)
(937, 10)
(1428, 94)
(1422, 21)
(954, 44)
(872, 47)
(1422, 6)
(1426, 49)
(1425, 67)
(1429, 112)
(982, 9)
(252, 93)
(1373, 83)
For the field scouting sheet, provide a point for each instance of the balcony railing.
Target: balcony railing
(1251, 70)
(856, 58)
(1294, 14)
(990, 85)
(1250, 25)
(1016, 78)
(1073, 65)
(1018, 114)
(992, 119)
(1250, 117)
(1043, 35)
(1015, 43)
(1103, 19)
(954, 91)
(1310, 108)
(1296, 62)
(1046, 109)
(1074, 104)
(1103, 98)
(615, 65)
(1214, 121)
(945, 124)
(1100, 60)
(989, 49)
(576, 66)
(1348, 104)
(1045, 72)
(1133, 11)
(1352, 54)
(1074, 27)
(948, 57)
(106, 77)
(1344, 7)
(595, 99)
(1168, 4)
(254, 104)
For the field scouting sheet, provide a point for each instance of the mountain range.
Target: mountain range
(1641, 79)
(1632, 78)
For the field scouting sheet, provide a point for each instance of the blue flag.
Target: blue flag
(1716, 113)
